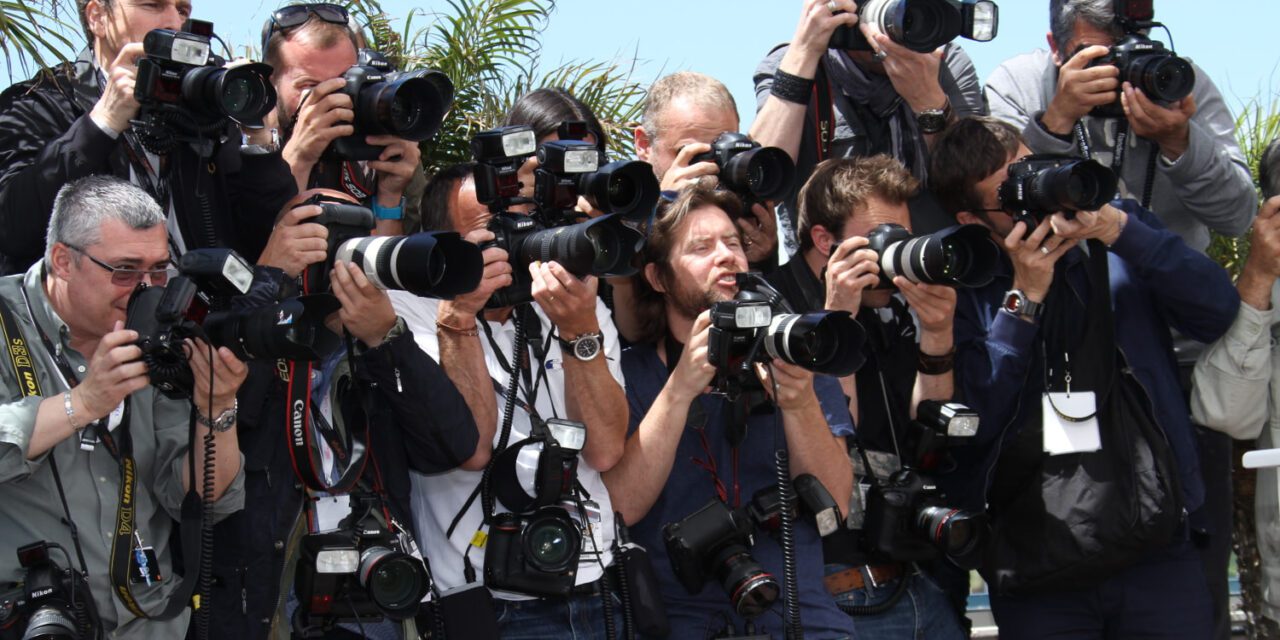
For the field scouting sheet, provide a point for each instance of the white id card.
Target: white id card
(1070, 422)
(330, 511)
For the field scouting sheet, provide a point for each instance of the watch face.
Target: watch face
(1013, 302)
(586, 347)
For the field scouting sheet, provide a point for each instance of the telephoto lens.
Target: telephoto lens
(919, 25)
(626, 187)
(1040, 185)
(958, 256)
(292, 330)
(409, 105)
(244, 93)
(601, 247)
(395, 581)
(430, 264)
(751, 589)
(828, 342)
(955, 531)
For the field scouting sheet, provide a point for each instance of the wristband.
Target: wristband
(387, 213)
(71, 412)
(462, 331)
(791, 88)
(931, 365)
(1040, 123)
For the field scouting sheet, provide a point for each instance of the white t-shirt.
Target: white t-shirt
(437, 498)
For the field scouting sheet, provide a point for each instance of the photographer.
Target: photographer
(384, 382)
(882, 99)
(310, 59)
(1235, 384)
(1074, 388)
(78, 120)
(1182, 156)
(679, 452)
(908, 359)
(567, 371)
(84, 431)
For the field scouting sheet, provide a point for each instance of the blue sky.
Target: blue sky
(1233, 40)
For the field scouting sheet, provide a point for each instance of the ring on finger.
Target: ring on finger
(880, 56)
(1044, 250)
(831, 4)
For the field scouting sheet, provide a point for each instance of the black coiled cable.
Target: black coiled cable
(606, 604)
(518, 353)
(208, 469)
(787, 537)
(624, 594)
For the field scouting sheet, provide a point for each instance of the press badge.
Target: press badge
(144, 568)
(1070, 422)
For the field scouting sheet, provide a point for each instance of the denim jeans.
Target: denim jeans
(922, 613)
(573, 618)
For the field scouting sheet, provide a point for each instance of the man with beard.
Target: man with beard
(684, 446)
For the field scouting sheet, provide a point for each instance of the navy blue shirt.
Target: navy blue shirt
(690, 486)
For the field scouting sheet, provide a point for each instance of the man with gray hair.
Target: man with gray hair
(1181, 158)
(1237, 379)
(92, 458)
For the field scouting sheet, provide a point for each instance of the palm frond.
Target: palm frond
(33, 34)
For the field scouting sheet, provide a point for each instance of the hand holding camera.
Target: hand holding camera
(817, 22)
(914, 75)
(227, 374)
(1034, 257)
(851, 269)
(695, 370)
(117, 105)
(395, 165)
(296, 243)
(1082, 86)
(496, 276)
(115, 371)
(1263, 265)
(324, 114)
(794, 384)
(1104, 224)
(366, 310)
(759, 233)
(688, 167)
(569, 302)
(934, 304)
(1169, 127)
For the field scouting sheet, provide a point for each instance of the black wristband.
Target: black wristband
(791, 88)
(935, 365)
(1040, 123)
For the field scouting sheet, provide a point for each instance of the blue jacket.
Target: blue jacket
(1157, 283)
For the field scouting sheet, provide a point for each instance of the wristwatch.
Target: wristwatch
(584, 347)
(931, 121)
(1017, 303)
(224, 419)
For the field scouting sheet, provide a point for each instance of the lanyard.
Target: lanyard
(308, 463)
(697, 419)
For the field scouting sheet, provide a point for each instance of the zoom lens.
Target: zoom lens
(551, 541)
(919, 25)
(766, 173)
(244, 94)
(430, 264)
(1074, 186)
(955, 531)
(51, 622)
(395, 581)
(293, 330)
(408, 106)
(1163, 77)
(959, 256)
(600, 247)
(827, 342)
(751, 589)
(627, 188)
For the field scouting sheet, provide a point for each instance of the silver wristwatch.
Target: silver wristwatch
(584, 347)
(224, 420)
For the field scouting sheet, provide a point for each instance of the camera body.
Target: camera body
(921, 25)
(757, 326)
(715, 542)
(50, 601)
(754, 172)
(357, 572)
(1040, 185)
(1146, 64)
(958, 256)
(187, 96)
(406, 104)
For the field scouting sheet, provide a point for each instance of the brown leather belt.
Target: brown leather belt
(851, 579)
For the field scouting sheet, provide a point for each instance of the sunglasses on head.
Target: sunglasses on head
(296, 15)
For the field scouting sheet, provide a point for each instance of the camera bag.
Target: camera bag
(1069, 521)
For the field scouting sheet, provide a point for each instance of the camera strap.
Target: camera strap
(305, 424)
(824, 113)
(1117, 159)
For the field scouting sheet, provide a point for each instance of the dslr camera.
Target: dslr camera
(435, 264)
(753, 172)
(907, 516)
(715, 542)
(534, 547)
(198, 304)
(187, 95)
(921, 25)
(358, 572)
(1146, 64)
(757, 325)
(50, 602)
(1040, 185)
(405, 104)
(958, 256)
(626, 191)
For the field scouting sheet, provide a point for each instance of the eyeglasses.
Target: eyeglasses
(296, 15)
(124, 277)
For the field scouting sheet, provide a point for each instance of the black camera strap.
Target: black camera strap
(1117, 159)
(305, 423)
(824, 116)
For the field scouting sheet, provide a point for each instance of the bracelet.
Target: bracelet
(791, 88)
(387, 213)
(71, 412)
(462, 331)
(931, 365)
(1040, 123)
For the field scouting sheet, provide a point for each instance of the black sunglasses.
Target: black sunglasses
(296, 15)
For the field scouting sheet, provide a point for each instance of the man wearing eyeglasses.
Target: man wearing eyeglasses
(76, 121)
(311, 46)
(84, 419)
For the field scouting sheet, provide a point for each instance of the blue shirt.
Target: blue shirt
(690, 486)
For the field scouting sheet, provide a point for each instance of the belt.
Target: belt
(588, 589)
(850, 579)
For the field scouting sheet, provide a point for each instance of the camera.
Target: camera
(405, 104)
(1146, 64)
(958, 256)
(436, 264)
(50, 602)
(1039, 185)
(197, 304)
(757, 325)
(534, 548)
(186, 95)
(921, 25)
(568, 168)
(753, 172)
(907, 516)
(715, 541)
(357, 572)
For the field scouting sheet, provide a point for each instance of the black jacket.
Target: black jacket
(47, 139)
